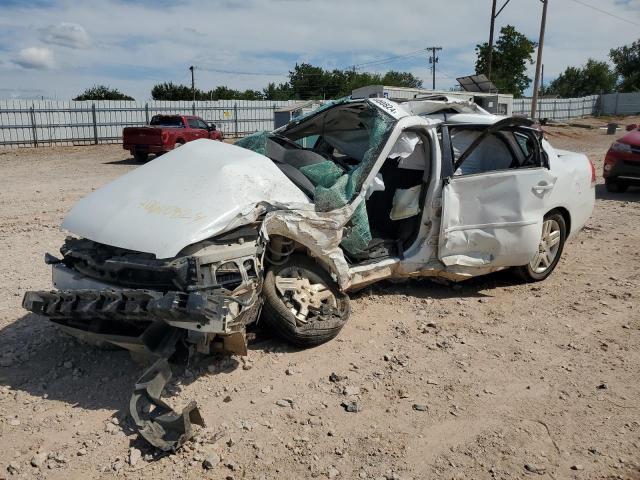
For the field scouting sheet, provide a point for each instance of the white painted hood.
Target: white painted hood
(187, 195)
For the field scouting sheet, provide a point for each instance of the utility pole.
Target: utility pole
(494, 15)
(193, 82)
(433, 59)
(536, 81)
(490, 54)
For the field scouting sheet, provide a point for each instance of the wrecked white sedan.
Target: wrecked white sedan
(191, 248)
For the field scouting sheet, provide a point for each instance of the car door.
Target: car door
(198, 128)
(492, 217)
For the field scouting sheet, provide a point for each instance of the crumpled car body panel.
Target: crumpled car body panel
(187, 195)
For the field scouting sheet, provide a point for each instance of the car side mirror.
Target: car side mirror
(631, 127)
(212, 127)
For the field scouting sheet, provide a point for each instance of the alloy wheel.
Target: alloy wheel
(303, 292)
(548, 247)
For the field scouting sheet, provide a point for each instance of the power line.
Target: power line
(233, 72)
(388, 59)
(580, 2)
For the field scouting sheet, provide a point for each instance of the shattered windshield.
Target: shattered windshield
(328, 156)
(347, 136)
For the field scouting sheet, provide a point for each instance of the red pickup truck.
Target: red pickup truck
(164, 133)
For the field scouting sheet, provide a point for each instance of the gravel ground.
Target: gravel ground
(486, 379)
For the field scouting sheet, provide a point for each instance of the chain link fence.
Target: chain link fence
(51, 122)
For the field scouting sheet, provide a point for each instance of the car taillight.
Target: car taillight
(593, 173)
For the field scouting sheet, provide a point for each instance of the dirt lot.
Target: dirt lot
(487, 379)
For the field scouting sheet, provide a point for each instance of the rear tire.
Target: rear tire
(141, 157)
(554, 234)
(615, 187)
(322, 321)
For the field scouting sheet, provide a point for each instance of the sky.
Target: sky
(57, 48)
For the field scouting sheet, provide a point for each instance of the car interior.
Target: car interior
(477, 150)
(343, 135)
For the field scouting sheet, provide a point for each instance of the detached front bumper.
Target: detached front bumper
(142, 320)
(138, 319)
(192, 311)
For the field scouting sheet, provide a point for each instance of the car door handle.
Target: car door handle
(541, 187)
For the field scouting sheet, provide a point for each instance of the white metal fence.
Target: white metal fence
(47, 122)
(620, 103)
(558, 108)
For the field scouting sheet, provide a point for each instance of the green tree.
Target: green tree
(172, 91)
(102, 92)
(307, 81)
(592, 78)
(281, 91)
(251, 95)
(511, 54)
(627, 62)
(401, 79)
(310, 82)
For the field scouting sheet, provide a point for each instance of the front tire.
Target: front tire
(302, 303)
(554, 234)
(615, 187)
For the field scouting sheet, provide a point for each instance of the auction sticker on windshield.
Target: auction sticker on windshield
(389, 107)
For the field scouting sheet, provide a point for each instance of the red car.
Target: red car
(622, 163)
(164, 133)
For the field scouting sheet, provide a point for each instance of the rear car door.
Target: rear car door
(495, 195)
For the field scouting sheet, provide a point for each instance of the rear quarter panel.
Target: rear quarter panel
(573, 190)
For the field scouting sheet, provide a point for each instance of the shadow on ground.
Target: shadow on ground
(436, 289)
(41, 360)
(124, 161)
(631, 195)
(130, 161)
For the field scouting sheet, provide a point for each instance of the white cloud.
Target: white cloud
(38, 58)
(65, 34)
(137, 44)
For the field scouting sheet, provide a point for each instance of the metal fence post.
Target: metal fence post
(95, 124)
(146, 113)
(193, 109)
(33, 126)
(274, 115)
(235, 118)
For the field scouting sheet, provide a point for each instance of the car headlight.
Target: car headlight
(621, 147)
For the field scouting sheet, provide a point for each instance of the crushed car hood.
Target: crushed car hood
(187, 195)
